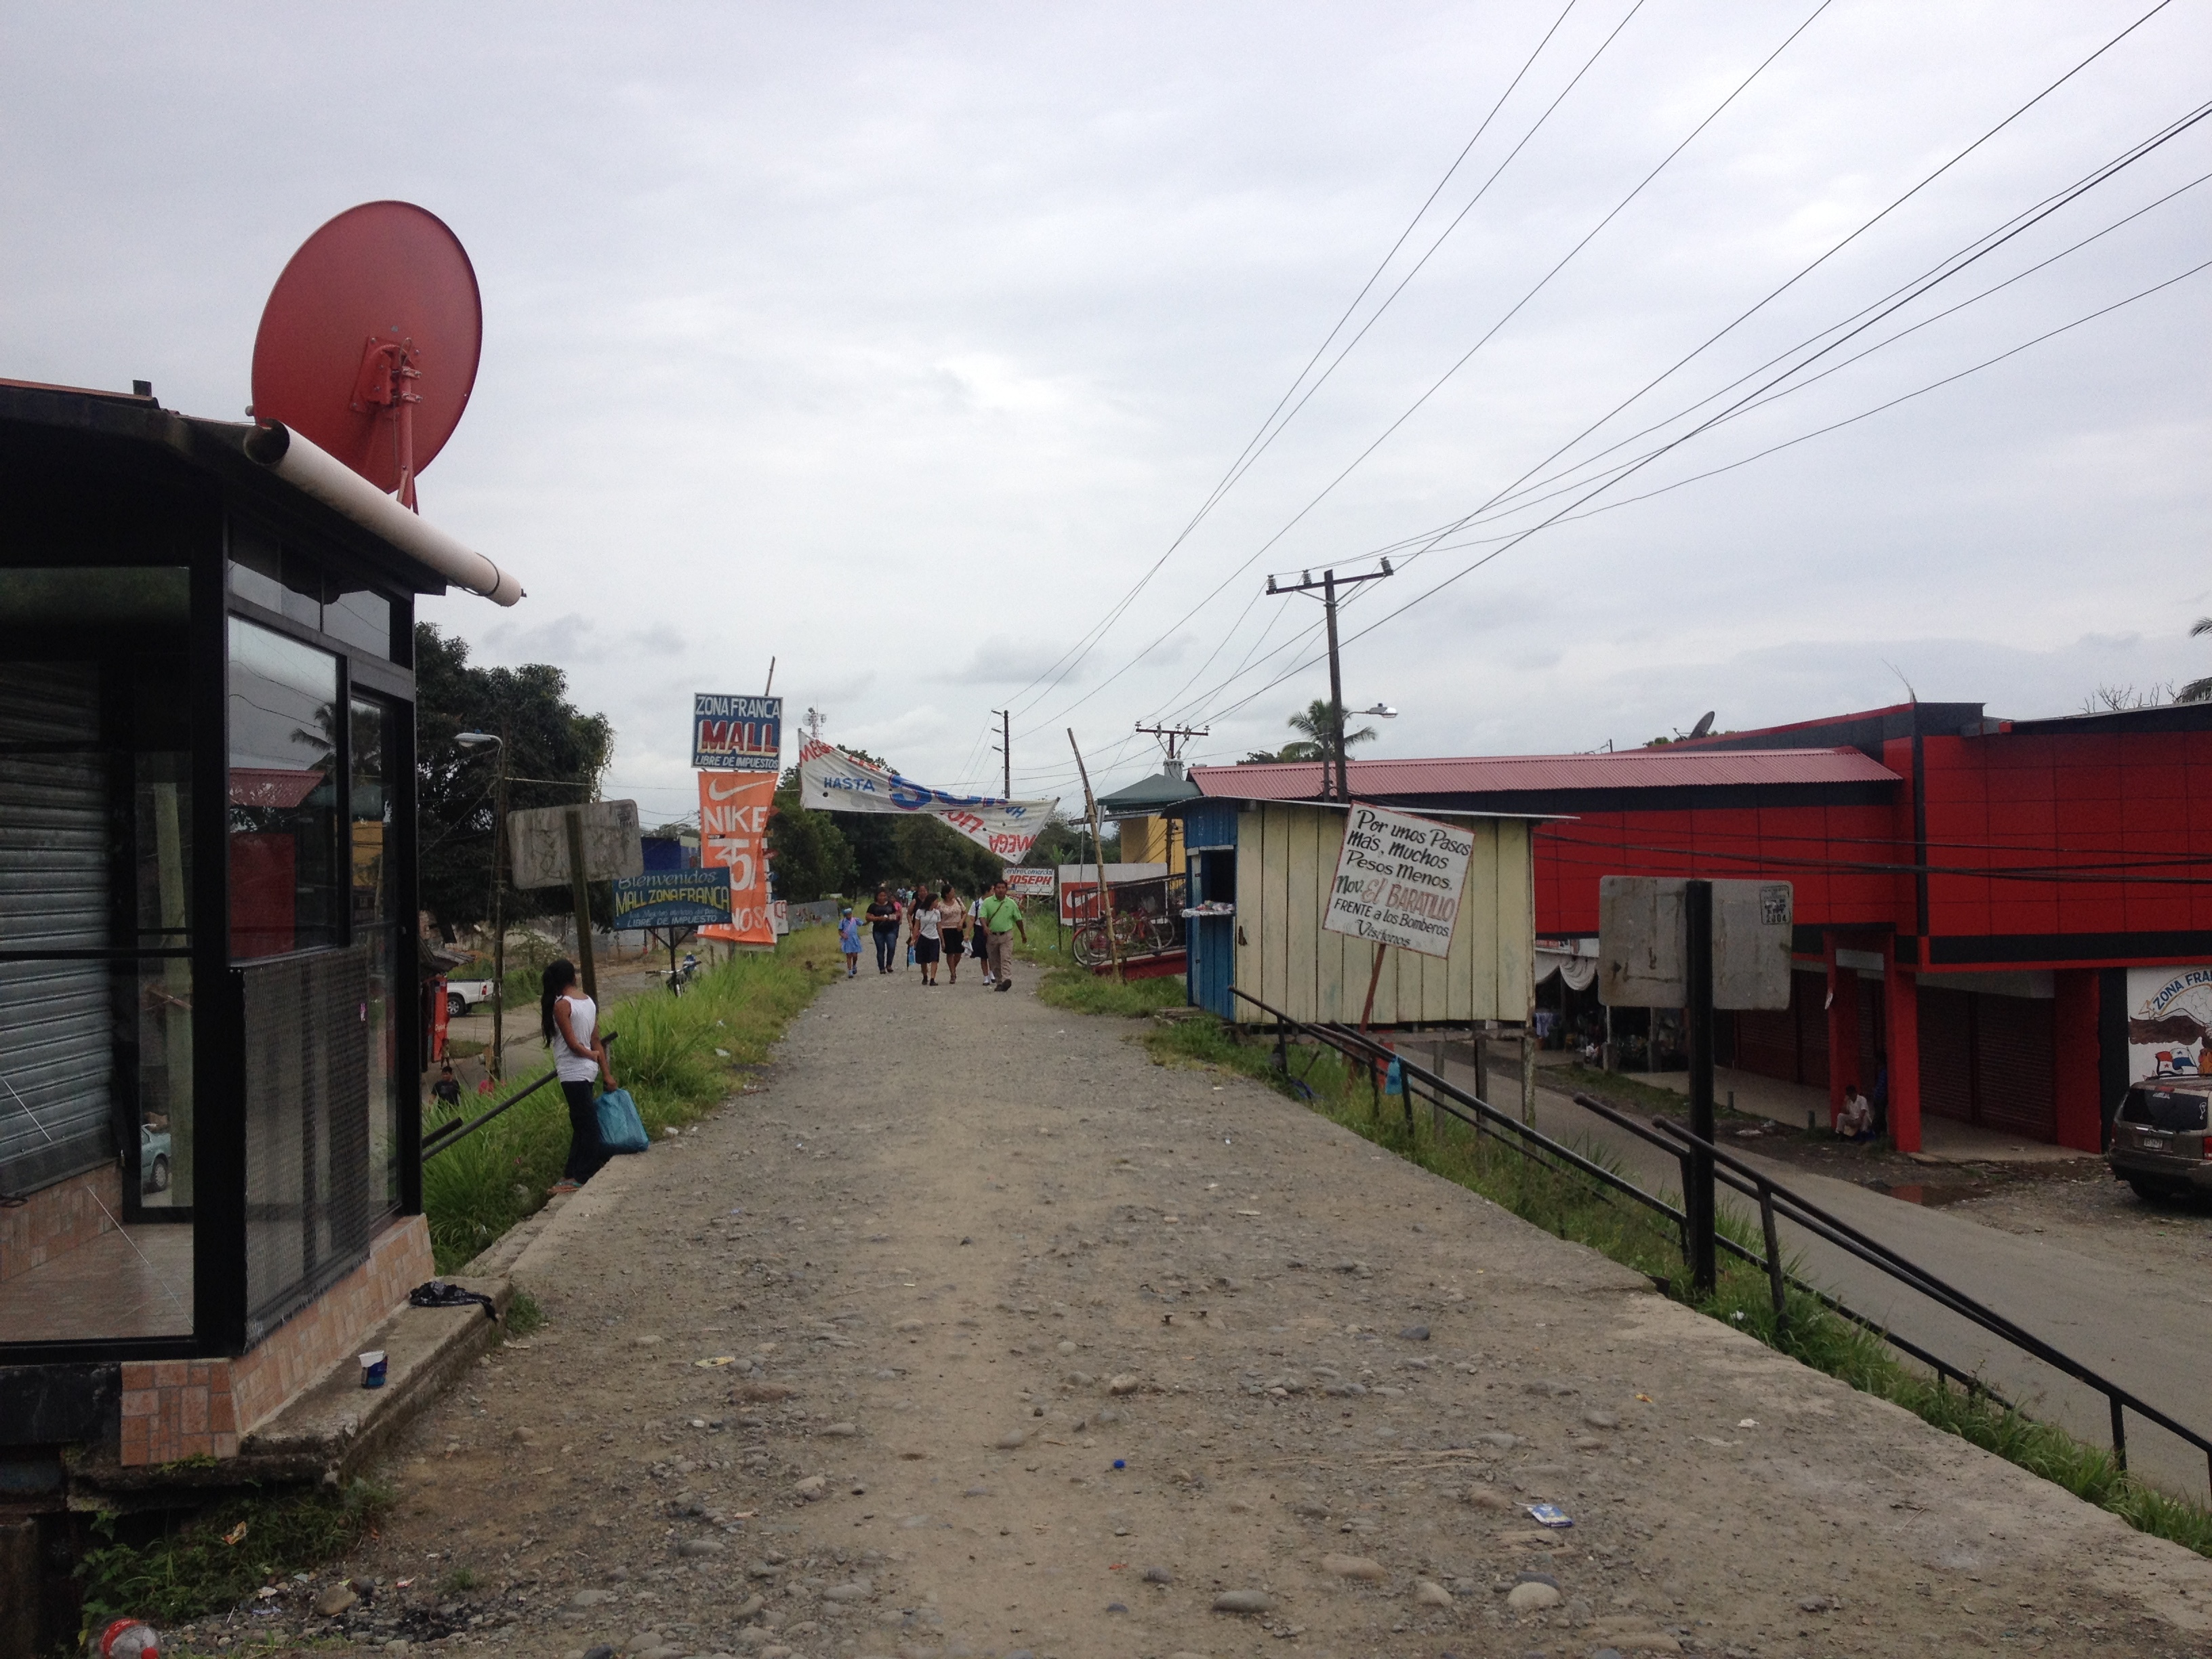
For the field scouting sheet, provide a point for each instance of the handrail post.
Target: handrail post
(1697, 1202)
(2119, 1432)
(1775, 1284)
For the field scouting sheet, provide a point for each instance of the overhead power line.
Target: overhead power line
(1277, 420)
(1567, 514)
(1467, 356)
(1951, 265)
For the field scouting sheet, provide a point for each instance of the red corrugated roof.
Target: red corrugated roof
(1486, 775)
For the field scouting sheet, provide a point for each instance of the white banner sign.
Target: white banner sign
(1029, 881)
(1398, 880)
(2169, 1023)
(831, 780)
(537, 843)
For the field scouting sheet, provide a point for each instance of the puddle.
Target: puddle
(1934, 1194)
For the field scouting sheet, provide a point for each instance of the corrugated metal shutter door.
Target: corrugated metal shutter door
(1947, 1053)
(1766, 1042)
(2015, 1065)
(1874, 1037)
(57, 1044)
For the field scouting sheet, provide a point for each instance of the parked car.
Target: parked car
(152, 1158)
(463, 994)
(2159, 1140)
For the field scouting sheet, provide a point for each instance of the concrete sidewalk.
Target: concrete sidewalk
(2147, 1330)
(1942, 1141)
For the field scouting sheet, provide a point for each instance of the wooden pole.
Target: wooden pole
(1098, 856)
(580, 888)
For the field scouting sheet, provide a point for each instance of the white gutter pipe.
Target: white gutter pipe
(316, 473)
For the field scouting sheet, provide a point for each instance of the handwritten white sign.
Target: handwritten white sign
(1398, 880)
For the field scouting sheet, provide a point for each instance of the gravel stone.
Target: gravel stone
(1244, 1600)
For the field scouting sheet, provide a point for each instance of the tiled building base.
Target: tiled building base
(56, 1219)
(180, 1408)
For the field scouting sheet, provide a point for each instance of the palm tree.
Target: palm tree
(2196, 691)
(1318, 723)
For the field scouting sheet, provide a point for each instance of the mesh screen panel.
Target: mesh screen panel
(308, 1180)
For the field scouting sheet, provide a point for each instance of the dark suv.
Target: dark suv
(2159, 1139)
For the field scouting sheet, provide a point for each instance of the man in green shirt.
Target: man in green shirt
(1001, 915)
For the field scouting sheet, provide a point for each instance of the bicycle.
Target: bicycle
(1137, 935)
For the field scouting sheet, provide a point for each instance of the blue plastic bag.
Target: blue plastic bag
(621, 1129)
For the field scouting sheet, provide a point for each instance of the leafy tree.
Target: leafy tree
(1061, 842)
(928, 850)
(2196, 691)
(813, 859)
(555, 755)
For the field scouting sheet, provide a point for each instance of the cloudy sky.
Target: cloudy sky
(901, 342)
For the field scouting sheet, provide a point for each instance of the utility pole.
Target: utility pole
(1174, 734)
(1329, 582)
(1005, 747)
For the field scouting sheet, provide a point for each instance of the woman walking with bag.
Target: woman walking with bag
(952, 932)
(570, 1021)
(927, 934)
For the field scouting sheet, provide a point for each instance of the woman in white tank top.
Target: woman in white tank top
(570, 1021)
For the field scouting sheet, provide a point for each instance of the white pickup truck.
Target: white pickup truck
(463, 994)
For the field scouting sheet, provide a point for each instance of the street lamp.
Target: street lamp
(1381, 711)
(495, 1066)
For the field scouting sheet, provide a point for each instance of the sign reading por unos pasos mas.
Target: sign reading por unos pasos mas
(1398, 880)
(736, 734)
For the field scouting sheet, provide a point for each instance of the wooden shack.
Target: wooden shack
(1272, 857)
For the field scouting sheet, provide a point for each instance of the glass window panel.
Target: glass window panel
(385, 1070)
(162, 1159)
(287, 884)
(311, 1179)
(371, 811)
(95, 1048)
(305, 587)
(371, 723)
(361, 619)
(161, 744)
(257, 570)
(57, 1051)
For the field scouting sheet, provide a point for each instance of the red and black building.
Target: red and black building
(2004, 922)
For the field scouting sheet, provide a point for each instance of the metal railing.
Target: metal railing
(450, 1134)
(1775, 1202)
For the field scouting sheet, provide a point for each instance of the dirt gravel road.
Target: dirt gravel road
(1035, 1347)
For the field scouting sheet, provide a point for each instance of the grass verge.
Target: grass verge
(166, 1572)
(1065, 985)
(1577, 1207)
(679, 1057)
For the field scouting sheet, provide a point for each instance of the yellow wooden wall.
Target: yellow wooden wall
(1147, 841)
(1285, 862)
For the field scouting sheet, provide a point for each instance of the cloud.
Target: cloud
(900, 351)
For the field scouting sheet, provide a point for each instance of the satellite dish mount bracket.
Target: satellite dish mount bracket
(388, 372)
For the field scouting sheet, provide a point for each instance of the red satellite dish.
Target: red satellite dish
(369, 342)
